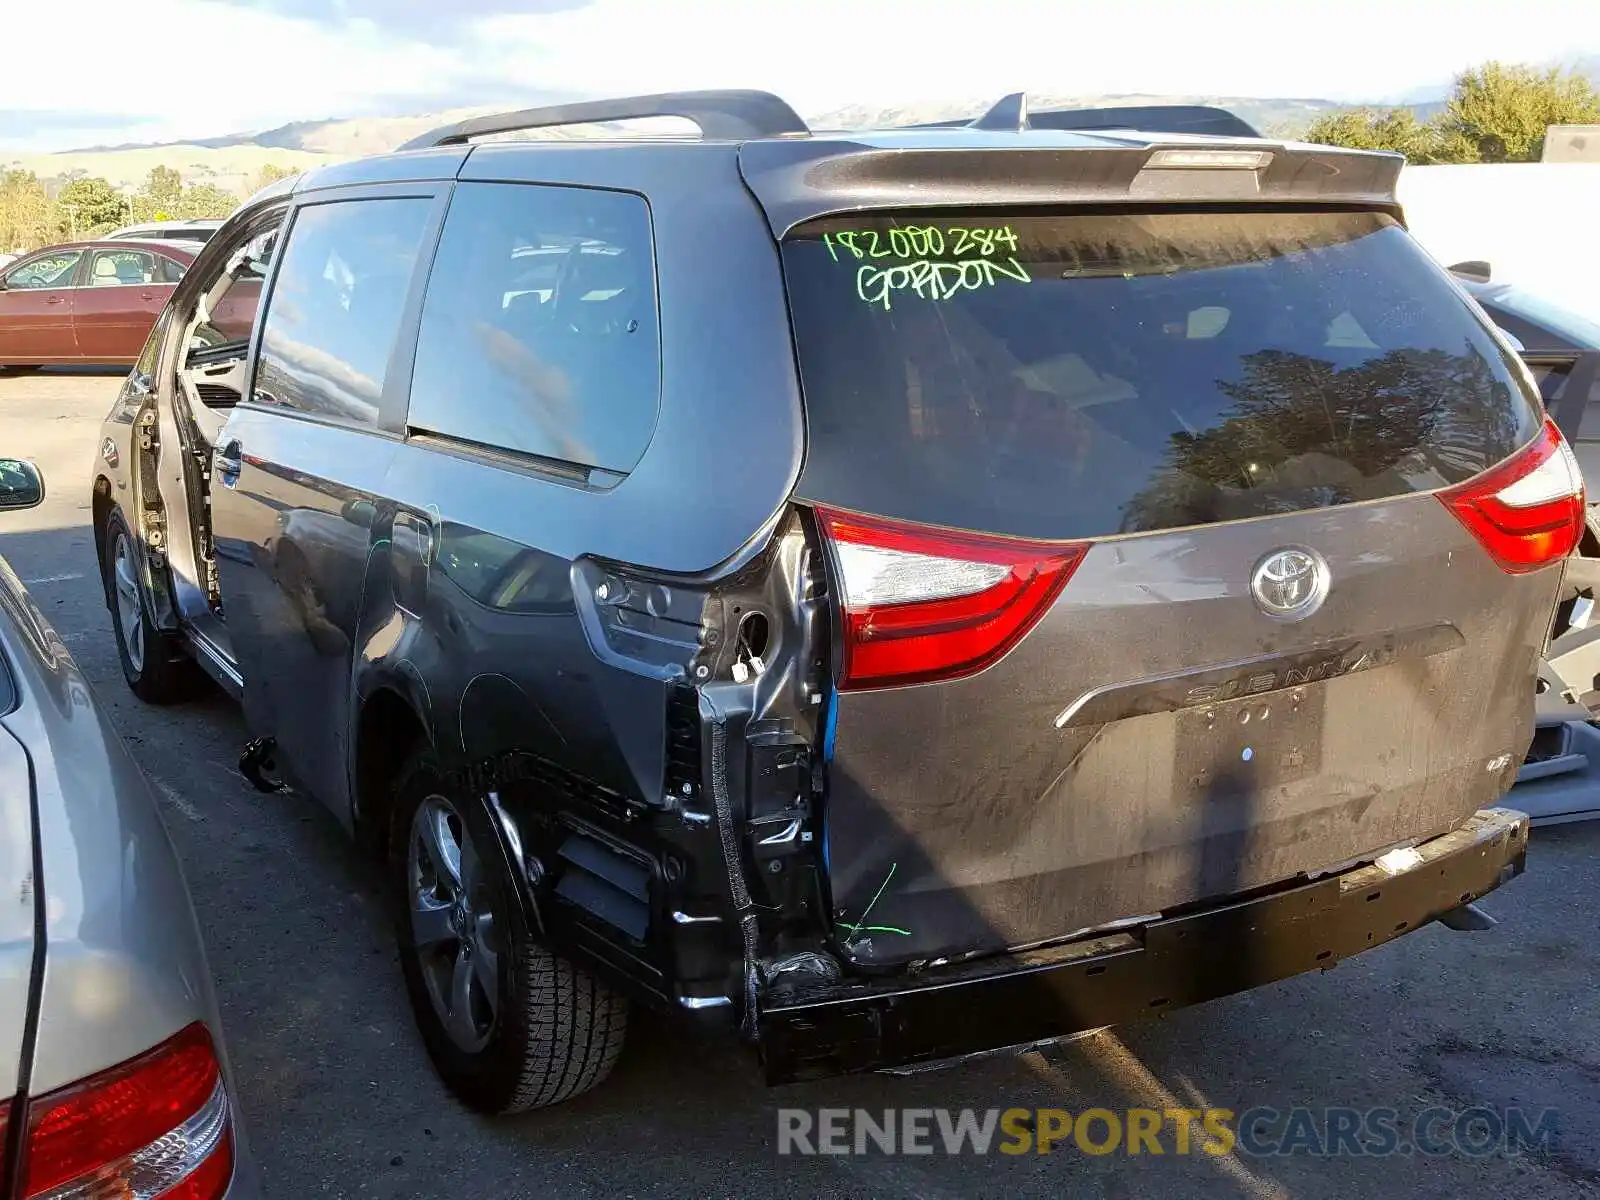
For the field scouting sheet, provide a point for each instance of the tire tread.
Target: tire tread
(572, 1026)
(169, 675)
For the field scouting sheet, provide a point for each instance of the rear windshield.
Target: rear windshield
(1085, 374)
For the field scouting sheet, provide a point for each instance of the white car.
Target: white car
(185, 231)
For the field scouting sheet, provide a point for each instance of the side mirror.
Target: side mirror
(1476, 270)
(21, 485)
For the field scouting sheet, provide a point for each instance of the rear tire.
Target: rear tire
(509, 1026)
(155, 664)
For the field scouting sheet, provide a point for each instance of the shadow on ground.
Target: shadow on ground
(340, 1101)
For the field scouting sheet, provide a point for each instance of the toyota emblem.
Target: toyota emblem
(1290, 583)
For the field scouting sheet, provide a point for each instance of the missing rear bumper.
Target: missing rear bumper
(1103, 980)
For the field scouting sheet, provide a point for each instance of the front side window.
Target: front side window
(50, 271)
(1082, 374)
(232, 312)
(116, 268)
(169, 270)
(336, 306)
(539, 331)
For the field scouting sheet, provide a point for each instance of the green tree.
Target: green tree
(90, 206)
(204, 200)
(1501, 112)
(27, 216)
(269, 175)
(1392, 129)
(1495, 113)
(161, 188)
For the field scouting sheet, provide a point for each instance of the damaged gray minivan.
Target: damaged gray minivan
(884, 592)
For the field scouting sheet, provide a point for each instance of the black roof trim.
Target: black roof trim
(730, 114)
(1152, 118)
(1013, 113)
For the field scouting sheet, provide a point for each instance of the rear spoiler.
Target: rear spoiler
(1012, 113)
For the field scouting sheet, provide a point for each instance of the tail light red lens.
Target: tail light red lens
(155, 1128)
(1528, 512)
(924, 604)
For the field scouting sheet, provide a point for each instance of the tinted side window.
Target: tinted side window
(233, 314)
(170, 270)
(1557, 384)
(1529, 334)
(114, 268)
(51, 271)
(1589, 426)
(539, 330)
(336, 306)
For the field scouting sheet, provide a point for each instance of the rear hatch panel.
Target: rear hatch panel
(1157, 740)
(1167, 399)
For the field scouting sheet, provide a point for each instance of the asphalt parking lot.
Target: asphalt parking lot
(340, 1101)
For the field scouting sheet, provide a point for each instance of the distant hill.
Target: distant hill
(232, 161)
(232, 168)
(1274, 117)
(340, 137)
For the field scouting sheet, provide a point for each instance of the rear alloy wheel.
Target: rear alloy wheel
(154, 663)
(509, 1026)
(452, 924)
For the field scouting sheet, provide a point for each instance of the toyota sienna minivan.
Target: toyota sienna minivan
(891, 594)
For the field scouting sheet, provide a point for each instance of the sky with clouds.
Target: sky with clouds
(158, 70)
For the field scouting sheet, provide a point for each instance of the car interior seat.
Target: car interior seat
(600, 293)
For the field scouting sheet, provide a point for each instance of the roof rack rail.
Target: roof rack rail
(1012, 113)
(730, 114)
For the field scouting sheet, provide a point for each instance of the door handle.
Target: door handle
(229, 462)
(55, 299)
(148, 296)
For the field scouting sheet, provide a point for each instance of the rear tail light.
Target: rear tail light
(155, 1128)
(1528, 512)
(923, 604)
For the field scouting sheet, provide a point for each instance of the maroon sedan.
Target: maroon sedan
(87, 302)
